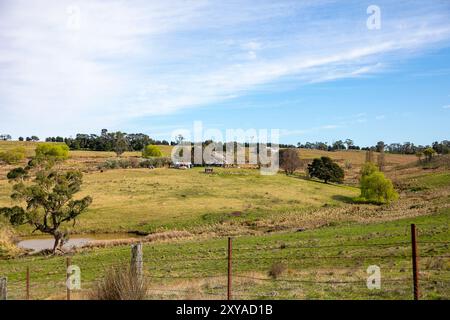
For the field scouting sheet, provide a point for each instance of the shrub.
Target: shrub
(327, 170)
(151, 151)
(155, 162)
(429, 153)
(13, 156)
(135, 163)
(120, 163)
(52, 151)
(120, 283)
(375, 187)
(277, 269)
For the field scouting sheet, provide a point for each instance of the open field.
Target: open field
(150, 200)
(327, 263)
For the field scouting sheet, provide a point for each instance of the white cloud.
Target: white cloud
(129, 60)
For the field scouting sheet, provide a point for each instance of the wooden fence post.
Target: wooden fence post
(3, 288)
(415, 262)
(137, 263)
(229, 269)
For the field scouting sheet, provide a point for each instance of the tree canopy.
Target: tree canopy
(326, 169)
(46, 201)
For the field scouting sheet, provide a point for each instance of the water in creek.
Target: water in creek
(38, 243)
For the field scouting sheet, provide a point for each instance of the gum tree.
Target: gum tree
(45, 197)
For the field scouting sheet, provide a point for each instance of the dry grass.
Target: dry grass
(156, 237)
(120, 283)
(277, 269)
(8, 236)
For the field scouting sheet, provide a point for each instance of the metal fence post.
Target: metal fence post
(415, 262)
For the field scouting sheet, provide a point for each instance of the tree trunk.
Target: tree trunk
(58, 237)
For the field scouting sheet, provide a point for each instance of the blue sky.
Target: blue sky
(309, 68)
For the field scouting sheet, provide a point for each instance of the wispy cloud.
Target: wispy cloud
(128, 60)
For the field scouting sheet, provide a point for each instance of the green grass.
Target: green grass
(327, 263)
(161, 199)
(435, 180)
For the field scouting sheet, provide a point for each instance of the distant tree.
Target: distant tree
(380, 146)
(338, 145)
(375, 187)
(5, 137)
(21, 139)
(120, 143)
(34, 138)
(179, 139)
(289, 160)
(151, 151)
(429, 153)
(13, 156)
(349, 143)
(138, 141)
(46, 201)
(327, 170)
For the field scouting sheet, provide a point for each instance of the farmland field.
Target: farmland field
(322, 242)
(328, 263)
(148, 200)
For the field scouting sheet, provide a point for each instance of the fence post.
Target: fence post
(229, 268)
(68, 263)
(28, 283)
(137, 263)
(415, 262)
(3, 288)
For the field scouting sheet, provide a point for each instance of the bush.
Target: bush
(375, 187)
(13, 156)
(120, 164)
(327, 170)
(120, 283)
(52, 151)
(159, 162)
(135, 163)
(151, 151)
(277, 269)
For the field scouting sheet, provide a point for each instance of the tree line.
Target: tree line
(442, 147)
(137, 141)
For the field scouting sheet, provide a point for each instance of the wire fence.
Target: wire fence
(277, 271)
